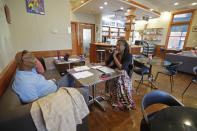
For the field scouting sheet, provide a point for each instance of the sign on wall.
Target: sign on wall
(194, 29)
(35, 6)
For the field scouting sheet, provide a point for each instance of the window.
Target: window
(179, 29)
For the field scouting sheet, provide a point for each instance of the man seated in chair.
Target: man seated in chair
(29, 85)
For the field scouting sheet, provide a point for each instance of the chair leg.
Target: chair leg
(171, 83)
(186, 89)
(139, 84)
(156, 76)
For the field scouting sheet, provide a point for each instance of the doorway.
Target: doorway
(82, 35)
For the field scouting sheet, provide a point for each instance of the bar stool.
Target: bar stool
(100, 53)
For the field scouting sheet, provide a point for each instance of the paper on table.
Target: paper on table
(96, 67)
(61, 57)
(83, 74)
(73, 59)
(81, 68)
(106, 70)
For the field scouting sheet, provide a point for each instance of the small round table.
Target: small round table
(175, 118)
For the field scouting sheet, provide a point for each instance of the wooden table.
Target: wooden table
(63, 65)
(92, 81)
(175, 118)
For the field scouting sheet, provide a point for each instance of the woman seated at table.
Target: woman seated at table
(121, 88)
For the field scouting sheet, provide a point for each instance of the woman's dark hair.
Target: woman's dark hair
(126, 45)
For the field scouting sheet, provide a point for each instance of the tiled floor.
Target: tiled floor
(113, 120)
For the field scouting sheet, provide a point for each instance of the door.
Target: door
(74, 30)
(86, 36)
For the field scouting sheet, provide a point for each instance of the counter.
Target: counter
(134, 49)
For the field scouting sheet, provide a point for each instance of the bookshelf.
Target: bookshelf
(112, 34)
(152, 34)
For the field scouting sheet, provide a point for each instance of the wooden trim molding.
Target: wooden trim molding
(179, 23)
(6, 76)
(52, 53)
(141, 6)
(80, 4)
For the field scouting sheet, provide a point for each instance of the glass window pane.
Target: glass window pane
(182, 38)
(173, 42)
(179, 30)
(176, 42)
(182, 17)
(184, 33)
(86, 40)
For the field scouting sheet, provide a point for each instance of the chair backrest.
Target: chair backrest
(195, 70)
(158, 97)
(172, 68)
(162, 49)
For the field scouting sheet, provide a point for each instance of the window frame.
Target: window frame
(179, 24)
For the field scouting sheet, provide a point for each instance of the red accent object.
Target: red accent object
(103, 78)
(7, 13)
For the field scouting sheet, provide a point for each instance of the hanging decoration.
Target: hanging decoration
(7, 13)
(35, 6)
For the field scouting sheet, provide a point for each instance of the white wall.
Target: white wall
(7, 48)
(84, 18)
(160, 22)
(34, 32)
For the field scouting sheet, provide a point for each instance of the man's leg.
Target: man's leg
(66, 81)
(87, 91)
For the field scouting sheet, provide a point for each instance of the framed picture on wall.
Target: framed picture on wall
(194, 29)
(35, 6)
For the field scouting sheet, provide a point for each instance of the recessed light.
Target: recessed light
(151, 9)
(194, 3)
(176, 3)
(105, 3)
(82, 1)
(128, 10)
(122, 8)
(101, 7)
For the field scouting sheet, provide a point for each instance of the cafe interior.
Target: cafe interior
(77, 37)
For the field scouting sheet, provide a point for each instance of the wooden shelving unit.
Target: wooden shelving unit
(112, 33)
(152, 34)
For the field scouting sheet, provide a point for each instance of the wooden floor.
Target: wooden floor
(114, 120)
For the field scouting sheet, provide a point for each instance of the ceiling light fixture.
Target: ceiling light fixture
(194, 3)
(101, 7)
(151, 9)
(122, 8)
(105, 3)
(82, 1)
(176, 3)
(128, 10)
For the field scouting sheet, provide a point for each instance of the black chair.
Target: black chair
(141, 69)
(171, 71)
(194, 80)
(155, 97)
